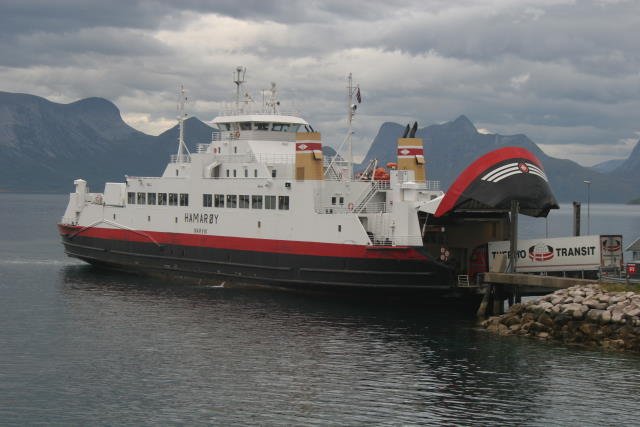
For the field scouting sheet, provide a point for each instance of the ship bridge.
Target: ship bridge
(259, 127)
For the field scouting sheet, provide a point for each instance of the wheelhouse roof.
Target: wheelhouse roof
(261, 118)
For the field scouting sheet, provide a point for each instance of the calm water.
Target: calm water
(79, 346)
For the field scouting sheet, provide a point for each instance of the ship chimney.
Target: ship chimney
(411, 153)
(309, 164)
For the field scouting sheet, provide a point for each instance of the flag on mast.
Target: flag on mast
(358, 96)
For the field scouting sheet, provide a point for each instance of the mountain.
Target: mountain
(46, 145)
(450, 147)
(630, 168)
(608, 165)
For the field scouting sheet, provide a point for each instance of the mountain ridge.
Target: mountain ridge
(46, 145)
(457, 143)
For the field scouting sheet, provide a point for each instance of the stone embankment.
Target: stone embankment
(584, 315)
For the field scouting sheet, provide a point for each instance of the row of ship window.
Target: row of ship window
(245, 201)
(242, 201)
(171, 199)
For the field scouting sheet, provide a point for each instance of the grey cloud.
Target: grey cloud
(562, 73)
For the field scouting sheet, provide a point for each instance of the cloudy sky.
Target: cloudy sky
(566, 73)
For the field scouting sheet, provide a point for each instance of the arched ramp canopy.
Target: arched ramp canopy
(497, 178)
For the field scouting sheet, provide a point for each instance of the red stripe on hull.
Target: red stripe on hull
(250, 244)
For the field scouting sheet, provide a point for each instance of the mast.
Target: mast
(352, 92)
(182, 147)
(239, 81)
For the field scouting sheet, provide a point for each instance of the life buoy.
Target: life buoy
(237, 134)
(350, 207)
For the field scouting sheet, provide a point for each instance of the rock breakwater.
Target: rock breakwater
(585, 315)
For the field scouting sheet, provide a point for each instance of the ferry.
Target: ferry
(261, 203)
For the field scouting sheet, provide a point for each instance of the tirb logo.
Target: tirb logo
(541, 252)
(523, 167)
(611, 245)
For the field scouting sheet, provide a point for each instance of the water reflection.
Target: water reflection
(288, 358)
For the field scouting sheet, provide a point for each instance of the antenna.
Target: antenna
(182, 147)
(272, 104)
(239, 81)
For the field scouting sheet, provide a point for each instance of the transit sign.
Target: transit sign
(561, 253)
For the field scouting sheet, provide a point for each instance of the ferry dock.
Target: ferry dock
(498, 288)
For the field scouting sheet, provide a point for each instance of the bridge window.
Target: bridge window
(283, 203)
(232, 201)
(184, 199)
(206, 200)
(162, 198)
(218, 200)
(244, 201)
(151, 198)
(173, 199)
(269, 202)
(142, 198)
(262, 126)
(131, 198)
(245, 125)
(256, 202)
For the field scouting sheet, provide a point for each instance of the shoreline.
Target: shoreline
(595, 316)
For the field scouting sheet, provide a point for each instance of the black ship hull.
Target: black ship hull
(398, 268)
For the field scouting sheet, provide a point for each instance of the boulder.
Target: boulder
(595, 315)
(589, 329)
(632, 310)
(546, 320)
(594, 303)
(515, 328)
(613, 344)
(503, 329)
(616, 316)
(511, 319)
(516, 308)
(536, 327)
(562, 319)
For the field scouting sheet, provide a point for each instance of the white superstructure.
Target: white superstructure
(243, 183)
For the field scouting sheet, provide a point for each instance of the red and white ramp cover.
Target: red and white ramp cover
(502, 175)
